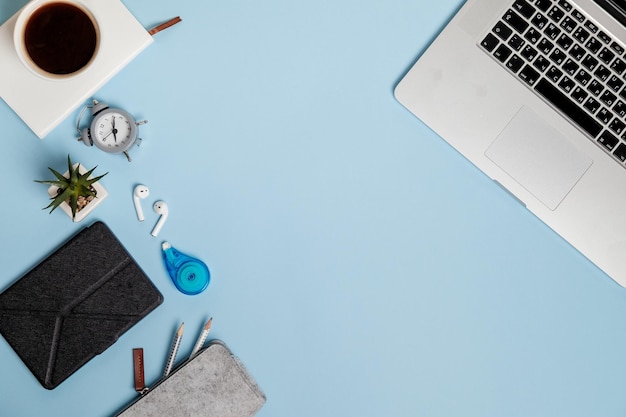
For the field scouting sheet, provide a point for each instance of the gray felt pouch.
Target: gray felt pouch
(212, 383)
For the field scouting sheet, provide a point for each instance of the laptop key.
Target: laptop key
(606, 55)
(608, 140)
(557, 56)
(568, 24)
(551, 31)
(618, 66)
(516, 42)
(540, 21)
(532, 35)
(524, 8)
(490, 42)
(570, 67)
(515, 63)
(515, 21)
(565, 5)
(592, 105)
(541, 63)
(591, 26)
(620, 152)
(583, 77)
(543, 5)
(502, 30)
(604, 115)
(604, 37)
(608, 98)
(595, 87)
(556, 14)
(590, 62)
(502, 53)
(546, 46)
(579, 95)
(554, 74)
(529, 75)
(617, 48)
(562, 102)
(615, 83)
(593, 45)
(529, 53)
(567, 84)
(602, 72)
(578, 16)
(581, 35)
(565, 41)
(617, 126)
(620, 108)
(577, 52)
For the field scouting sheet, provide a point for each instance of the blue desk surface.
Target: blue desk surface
(361, 267)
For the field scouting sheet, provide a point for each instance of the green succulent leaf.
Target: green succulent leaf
(72, 187)
(57, 174)
(56, 201)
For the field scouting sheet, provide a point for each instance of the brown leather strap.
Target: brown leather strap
(165, 25)
(140, 381)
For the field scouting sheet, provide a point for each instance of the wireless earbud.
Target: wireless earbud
(140, 192)
(159, 208)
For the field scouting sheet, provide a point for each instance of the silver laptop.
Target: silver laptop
(533, 92)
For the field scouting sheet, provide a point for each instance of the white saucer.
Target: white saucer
(43, 104)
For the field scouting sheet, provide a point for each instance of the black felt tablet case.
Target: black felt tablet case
(75, 304)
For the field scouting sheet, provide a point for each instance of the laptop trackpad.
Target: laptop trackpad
(538, 157)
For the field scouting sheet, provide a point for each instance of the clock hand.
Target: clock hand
(114, 131)
(107, 135)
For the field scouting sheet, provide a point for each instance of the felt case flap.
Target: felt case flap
(212, 383)
(75, 304)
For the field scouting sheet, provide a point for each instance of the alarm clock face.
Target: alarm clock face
(113, 130)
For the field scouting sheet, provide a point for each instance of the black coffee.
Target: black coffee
(60, 38)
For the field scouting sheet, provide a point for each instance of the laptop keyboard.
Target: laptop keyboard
(567, 59)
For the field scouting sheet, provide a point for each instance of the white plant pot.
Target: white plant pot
(101, 194)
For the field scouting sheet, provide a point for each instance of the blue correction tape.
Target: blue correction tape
(190, 275)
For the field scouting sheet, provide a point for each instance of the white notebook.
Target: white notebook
(42, 104)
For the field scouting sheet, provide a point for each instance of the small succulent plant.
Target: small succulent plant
(76, 188)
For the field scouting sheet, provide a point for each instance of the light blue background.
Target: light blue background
(361, 267)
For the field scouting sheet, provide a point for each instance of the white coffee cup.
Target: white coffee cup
(56, 39)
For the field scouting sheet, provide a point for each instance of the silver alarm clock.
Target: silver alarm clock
(111, 130)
